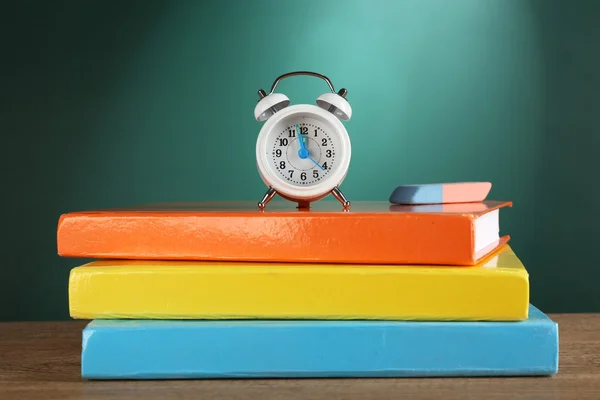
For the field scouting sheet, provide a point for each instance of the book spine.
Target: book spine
(197, 290)
(364, 239)
(166, 350)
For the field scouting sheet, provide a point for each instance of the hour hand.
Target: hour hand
(303, 152)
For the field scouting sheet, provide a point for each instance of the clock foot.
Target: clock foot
(266, 198)
(337, 193)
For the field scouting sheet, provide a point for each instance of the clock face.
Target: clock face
(303, 151)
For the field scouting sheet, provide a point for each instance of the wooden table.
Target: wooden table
(41, 361)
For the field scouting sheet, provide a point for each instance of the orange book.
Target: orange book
(367, 233)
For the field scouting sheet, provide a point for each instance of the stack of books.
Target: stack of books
(223, 290)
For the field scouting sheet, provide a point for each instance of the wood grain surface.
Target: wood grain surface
(41, 361)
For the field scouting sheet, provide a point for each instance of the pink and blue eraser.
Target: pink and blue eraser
(441, 193)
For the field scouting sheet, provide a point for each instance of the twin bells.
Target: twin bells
(333, 102)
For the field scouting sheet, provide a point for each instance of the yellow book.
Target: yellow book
(496, 289)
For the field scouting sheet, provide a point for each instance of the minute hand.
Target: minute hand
(322, 169)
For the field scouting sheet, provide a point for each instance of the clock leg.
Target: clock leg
(337, 193)
(266, 198)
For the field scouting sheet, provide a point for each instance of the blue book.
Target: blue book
(157, 349)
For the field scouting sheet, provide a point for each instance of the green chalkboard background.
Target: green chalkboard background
(112, 103)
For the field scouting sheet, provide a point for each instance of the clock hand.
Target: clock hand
(303, 152)
(318, 165)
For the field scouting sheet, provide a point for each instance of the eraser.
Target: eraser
(441, 193)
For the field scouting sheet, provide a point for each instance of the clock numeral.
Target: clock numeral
(291, 171)
(282, 164)
(292, 133)
(303, 176)
(324, 142)
(324, 165)
(283, 142)
(315, 173)
(328, 153)
(304, 130)
(315, 133)
(278, 152)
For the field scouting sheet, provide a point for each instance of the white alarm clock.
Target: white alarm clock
(303, 151)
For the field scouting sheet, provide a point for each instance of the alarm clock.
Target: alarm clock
(303, 151)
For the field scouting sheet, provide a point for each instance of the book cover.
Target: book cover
(496, 289)
(155, 349)
(369, 233)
